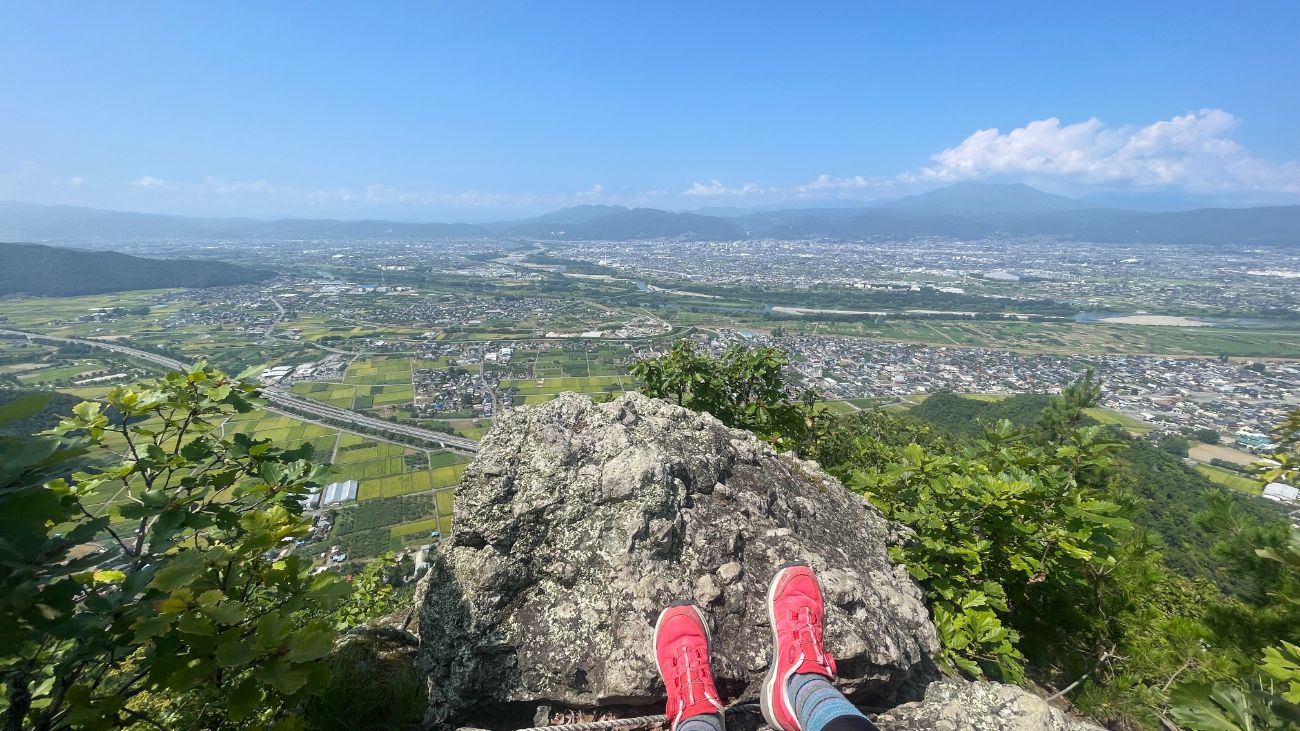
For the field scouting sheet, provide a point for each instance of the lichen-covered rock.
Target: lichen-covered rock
(578, 522)
(960, 705)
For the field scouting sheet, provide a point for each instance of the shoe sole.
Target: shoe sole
(769, 682)
(708, 636)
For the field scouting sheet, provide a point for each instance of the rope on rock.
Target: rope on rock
(601, 725)
(622, 722)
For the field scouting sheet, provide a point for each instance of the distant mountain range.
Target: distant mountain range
(57, 272)
(963, 210)
(616, 222)
(70, 223)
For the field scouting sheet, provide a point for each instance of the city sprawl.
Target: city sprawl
(393, 356)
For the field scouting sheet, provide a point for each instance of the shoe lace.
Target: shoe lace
(692, 673)
(808, 636)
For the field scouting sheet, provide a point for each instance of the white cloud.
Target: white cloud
(239, 187)
(1193, 151)
(852, 187)
(386, 195)
(823, 186)
(824, 182)
(77, 181)
(149, 182)
(597, 191)
(715, 188)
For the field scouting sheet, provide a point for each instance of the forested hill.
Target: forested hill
(1170, 494)
(965, 417)
(24, 412)
(51, 271)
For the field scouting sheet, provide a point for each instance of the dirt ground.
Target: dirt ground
(1207, 452)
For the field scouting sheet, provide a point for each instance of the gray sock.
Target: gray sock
(702, 722)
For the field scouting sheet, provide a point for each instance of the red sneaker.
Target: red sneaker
(794, 604)
(682, 653)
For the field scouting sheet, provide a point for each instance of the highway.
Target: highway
(281, 401)
(289, 402)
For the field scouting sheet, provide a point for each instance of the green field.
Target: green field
(442, 459)
(420, 531)
(837, 407)
(1070, 337)
(376, 371)
(402, 484)
(1106, 416)
(334, 394)
(69, 372)
(378, 466)
(445, 501)
(447, 476)
(351, 452)
(392, 394)
(580, 384)
(1230, 479)
(419, 528)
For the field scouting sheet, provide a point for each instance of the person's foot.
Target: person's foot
(682, 653)
(794, 605)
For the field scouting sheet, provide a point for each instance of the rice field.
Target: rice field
(379, 371)
(1230, 479)
(334, 394)
(1072, 337)
(1106, 416)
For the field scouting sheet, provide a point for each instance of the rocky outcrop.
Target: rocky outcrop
(959, 705)
(578, 522)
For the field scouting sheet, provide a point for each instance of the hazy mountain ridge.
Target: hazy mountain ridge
(983, 198)
(52, 271)
(70, 223)
(648, 223)
(963, 210)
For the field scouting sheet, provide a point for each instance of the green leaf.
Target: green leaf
(150, 627)
(1283, 663)
(286, 678)
(227, 613)
(1211, 708)
(236, 652)
(155, 499)
(181, 570)
(87, 410)
(195, 624)
(243, 699)
(310, 644)
(105, 576)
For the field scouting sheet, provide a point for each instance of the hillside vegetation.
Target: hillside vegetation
(1053, 549)
(1050, 550)
(50, 271)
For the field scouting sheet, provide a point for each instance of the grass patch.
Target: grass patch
(446, 502)
(836, 407)
(417, 528)
(1106, 416)
(366, 471)
(394, 485)
(1230, 479)
(447, 476)
(442, 459)
(372, 684)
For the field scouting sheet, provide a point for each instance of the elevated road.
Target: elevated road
(282, 401)
(286, 402)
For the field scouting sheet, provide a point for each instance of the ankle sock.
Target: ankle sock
(702, 722)
(816, 704)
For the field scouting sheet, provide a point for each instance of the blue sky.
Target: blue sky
(486, 110)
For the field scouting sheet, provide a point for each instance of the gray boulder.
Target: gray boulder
(960, 705)
(578, 522)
